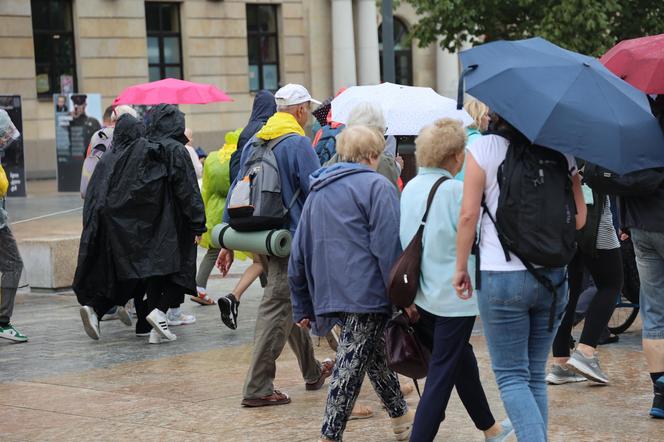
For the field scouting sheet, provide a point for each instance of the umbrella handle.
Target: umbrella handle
(466, 71)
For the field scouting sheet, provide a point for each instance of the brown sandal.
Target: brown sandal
(325, 371)
(276, 398)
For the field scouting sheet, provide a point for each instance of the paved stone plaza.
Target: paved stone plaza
(63, 386)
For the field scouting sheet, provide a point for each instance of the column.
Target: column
(343, 44)
(368, 58)
(447, 72)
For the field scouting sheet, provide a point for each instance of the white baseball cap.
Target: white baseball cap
(293, 94)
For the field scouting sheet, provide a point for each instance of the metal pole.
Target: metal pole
(388, 42)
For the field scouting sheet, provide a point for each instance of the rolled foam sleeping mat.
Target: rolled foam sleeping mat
(276, 242)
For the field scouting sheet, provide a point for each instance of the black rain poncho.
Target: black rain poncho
(142, 211)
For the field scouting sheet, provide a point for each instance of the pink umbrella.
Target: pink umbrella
(171, 91)
(640, 62)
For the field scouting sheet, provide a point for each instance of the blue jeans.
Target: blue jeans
(649, 250)
(514, 309)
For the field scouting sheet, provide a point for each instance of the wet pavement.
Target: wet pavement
(63, 386)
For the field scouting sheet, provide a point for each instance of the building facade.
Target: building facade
(103, 46)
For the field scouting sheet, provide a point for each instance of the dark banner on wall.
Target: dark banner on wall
(77, 118)
(13, 158)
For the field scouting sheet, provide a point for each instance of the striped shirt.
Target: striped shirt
(607, 238)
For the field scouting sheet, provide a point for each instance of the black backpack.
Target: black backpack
(535, 219)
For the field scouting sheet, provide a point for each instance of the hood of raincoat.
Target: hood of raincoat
(280, 124)
(127, 130)
(327, 175)
(264, 107)
(166, 121)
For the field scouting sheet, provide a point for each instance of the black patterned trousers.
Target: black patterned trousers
(361, 350)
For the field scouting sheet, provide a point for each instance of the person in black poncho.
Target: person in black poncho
(141, 216)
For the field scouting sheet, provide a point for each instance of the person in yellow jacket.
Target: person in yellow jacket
(215, 186)
(11, 267)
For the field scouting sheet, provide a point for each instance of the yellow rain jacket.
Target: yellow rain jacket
(4, 182)
(216, 184)
(279, 124)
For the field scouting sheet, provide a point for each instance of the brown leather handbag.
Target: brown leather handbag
(404, 352)
(405, 274)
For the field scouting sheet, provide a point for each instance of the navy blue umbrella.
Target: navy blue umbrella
(566, 101)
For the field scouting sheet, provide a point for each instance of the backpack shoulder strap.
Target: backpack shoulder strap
(271, 144)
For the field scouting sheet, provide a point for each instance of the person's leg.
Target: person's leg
(450, 338)
(11, 266)
(273, 327)
(469, 386)
(158, 301)
(649, 249)
(205, 268)
(229, 305)
(248, 277)
(357, 345)
(504, 302)
(541, 337)
(561, 350)
(607, 272)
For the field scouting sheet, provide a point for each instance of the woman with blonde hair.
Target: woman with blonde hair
(481, 119)
(359, 210)
(443, 321)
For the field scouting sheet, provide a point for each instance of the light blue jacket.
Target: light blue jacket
(436, 294)
(472, 135)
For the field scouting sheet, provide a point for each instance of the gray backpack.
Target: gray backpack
(255, 203)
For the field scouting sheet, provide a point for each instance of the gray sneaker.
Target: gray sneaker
(560, 375)
(587, 367)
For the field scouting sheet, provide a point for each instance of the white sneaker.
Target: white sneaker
(157, 320)
(155, 338)
(90, 322)
(180, 318)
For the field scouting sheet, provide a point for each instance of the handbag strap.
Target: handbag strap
(432, 193)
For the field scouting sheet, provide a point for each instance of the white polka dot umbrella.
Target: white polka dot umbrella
(407, 109)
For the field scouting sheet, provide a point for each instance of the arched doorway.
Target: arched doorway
(403, 53)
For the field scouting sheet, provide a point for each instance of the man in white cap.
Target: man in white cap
(296, 160)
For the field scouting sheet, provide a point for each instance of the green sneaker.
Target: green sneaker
(10, 332)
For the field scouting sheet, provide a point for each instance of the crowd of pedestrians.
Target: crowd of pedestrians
(151, 198)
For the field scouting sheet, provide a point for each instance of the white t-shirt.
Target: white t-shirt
(489, 152)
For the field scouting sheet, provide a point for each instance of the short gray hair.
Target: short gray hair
(289, 107)
(118, 111)
(367, 114)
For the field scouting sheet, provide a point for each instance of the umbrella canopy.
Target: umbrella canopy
(406, 109)
(171, 91)
(640, 62)
(566, 101)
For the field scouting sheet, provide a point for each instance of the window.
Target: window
(403, 54)
(53, 35)
(263, 45)
(164, 45)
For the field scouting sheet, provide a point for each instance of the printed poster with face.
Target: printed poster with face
(11, 153)
(77, 117)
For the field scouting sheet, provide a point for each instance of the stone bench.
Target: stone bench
(49, 262)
